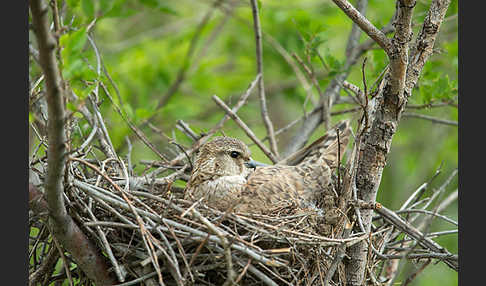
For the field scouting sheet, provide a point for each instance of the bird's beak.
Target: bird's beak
(253, 164)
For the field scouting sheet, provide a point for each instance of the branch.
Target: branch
(365, 25)
(426, 242)
(55, 125)
(388, 106)
(46, 268)
(432, 119)
(398, 54)
(224, 242)
(312, 121)
(245, 128)
(261, 89)
(181, 74)
(63, 227)
(424, 44)
(354, 35)
(84, 253)
(288, 58)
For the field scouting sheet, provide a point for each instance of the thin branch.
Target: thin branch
(330, 95)
(431, 105)
(324, 100)
(447, 201)
(65, 262)
(288, 58)
(418, 271)
(416, 234)
(181, 74)
(340, 253)
(224, 242)
(431, 119)
(132, 126)
(184, 128)
(264, 278)
(378, 36)
(106, 244)
(428, 213)
(422, 48)
(261, 89)
(45, 268)
(245, 128)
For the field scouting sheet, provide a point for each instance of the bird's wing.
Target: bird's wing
(279, 186)
(327, 147)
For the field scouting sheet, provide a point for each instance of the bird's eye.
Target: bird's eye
(234, 154)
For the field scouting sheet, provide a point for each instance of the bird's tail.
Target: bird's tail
(329, 147)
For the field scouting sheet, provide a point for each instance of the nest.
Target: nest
(152, 236)
(150, 233)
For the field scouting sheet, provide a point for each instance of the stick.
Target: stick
(431, 118)
(261, 89)
(378, 36)
(245, 128)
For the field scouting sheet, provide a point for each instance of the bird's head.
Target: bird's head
(223, 156)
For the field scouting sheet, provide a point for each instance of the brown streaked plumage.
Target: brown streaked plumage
(221, 179)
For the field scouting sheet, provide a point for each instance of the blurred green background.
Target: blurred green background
(144, 44)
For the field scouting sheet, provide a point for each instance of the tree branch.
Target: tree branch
(365, 25)
(312, 121)
(431, 118)
(63, 227)
(393, 218)
(245, 128)
(261, 89)
(84, 253)
(388, 106)
(398, 54)
(423, 46)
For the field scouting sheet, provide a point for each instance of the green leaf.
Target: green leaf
(159, 5)
(72, 68)
(119, 9)
(166, 9)
(72, 3)
(316, 42)
(74, 42)
(70, 106)
(81, 90)
(86, 91)
(106, 6)
(31, 117)
(128, 109)
(437, 86)
(425, 92)
(334, 64)
(150, 3)
(88, 8)
(142, 113)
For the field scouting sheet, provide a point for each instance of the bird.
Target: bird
(225, 177)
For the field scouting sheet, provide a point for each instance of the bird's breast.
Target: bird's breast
(220, 192)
